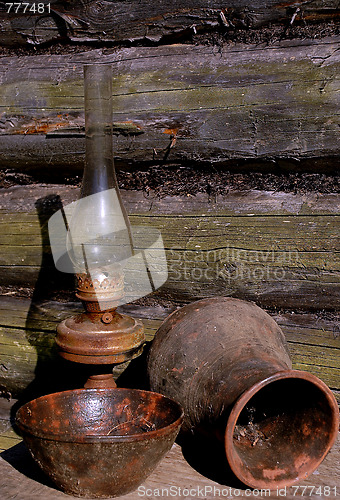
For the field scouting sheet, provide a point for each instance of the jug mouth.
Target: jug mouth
(280, 429)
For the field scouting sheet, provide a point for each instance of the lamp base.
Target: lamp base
(104, 381)
(100, 338)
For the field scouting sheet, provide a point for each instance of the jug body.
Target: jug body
(227, 363)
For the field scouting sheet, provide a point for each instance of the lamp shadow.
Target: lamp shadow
(51, 372)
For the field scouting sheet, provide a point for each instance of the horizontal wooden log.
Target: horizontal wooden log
(281, 250)
(176, 103)
(114, 21)
(27, 341)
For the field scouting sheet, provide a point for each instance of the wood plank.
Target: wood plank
(337, 396)
(176, 470)
(25, 481)
(298, 238)
(26, 340)
(30, 199)
(8, 434)
(310, 329)
(278, 249)
(7, 442)
(221, 105)
(324, 373)
(144, 20)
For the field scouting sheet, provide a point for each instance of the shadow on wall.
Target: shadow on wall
(52, 373)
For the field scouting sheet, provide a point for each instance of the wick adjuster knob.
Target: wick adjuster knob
(107, 317)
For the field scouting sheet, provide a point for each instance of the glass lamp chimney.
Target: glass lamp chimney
(99, 235)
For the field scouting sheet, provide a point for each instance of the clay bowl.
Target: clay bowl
(99, 442)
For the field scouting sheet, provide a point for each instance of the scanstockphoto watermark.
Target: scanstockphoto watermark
(201, 492)
(230, 264)
(228, 492)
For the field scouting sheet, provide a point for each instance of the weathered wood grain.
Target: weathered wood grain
(8, 436)
(278, 249)
(25, 482)
(27, 347)
(209, 105)
(114, 21)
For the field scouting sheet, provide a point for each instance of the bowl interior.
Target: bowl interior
(98, 412)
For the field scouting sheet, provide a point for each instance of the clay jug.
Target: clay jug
(227, 363)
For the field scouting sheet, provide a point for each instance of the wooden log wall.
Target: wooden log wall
(178, 103)
(219, 84)
(109, 21)
(27, 348)
(278, 249)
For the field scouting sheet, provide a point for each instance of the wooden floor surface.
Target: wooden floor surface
(174, 477)
(21, 479)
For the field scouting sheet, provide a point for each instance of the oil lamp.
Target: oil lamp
(101, 441)
(92, 238)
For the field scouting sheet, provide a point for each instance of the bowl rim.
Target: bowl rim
(98, 438)
(231, 453)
